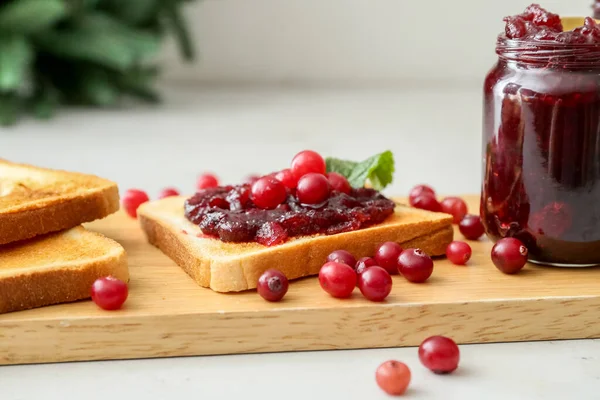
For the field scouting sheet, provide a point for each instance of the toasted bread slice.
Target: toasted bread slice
(35, 201)
(57, 268)
(233, 267)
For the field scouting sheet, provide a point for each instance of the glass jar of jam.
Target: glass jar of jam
(541, 137)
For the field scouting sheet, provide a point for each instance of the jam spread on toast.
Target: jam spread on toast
(229, 214)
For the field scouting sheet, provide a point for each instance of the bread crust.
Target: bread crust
(303, 257)
(58, 216)
(60, 209)
(61, 283)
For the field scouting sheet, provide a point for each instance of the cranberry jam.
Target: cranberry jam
(228, 213)
(541, 129)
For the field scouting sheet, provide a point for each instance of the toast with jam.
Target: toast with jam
(35, 201)
(233, 267)
(225, 237)
(57, 268)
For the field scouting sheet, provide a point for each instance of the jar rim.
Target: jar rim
(549, 53)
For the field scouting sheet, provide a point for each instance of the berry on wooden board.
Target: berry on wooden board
(509, 255)
(387, 255)
(272, 285)
(337, 279)
(420, 190)
(375, 283)
(459, 253)
(471, 227)
(363, 263)
(132, 200)
(456, 207)
(415, 265)
(342, 256)
(427, 202)
(109, 293)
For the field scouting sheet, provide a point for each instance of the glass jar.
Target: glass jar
(541, 136)
(596, 8)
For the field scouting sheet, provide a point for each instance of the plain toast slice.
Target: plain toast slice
(35, 201)
(57, 268)
(233, 267)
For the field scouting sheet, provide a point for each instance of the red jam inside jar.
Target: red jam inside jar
(541, 179)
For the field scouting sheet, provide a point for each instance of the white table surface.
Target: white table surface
(435, 138)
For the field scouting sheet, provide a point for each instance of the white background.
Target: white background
(351, 42)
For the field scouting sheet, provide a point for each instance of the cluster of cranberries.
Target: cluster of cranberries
(538, 24)
(439, 354)
(306, 175)
(424, 197)
(509, 255)
(342, 272)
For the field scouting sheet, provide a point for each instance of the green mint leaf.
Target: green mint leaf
(342, 167)
(378, 170)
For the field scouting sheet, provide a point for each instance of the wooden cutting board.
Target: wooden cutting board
(167, 314)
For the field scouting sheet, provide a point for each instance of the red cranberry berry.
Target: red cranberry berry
(459, 253)
(337, 279)
(168, 192)
(306, 162)
(267, 193)
(364, 263)
(415, 265)
(313, 189)
(420, 190)
(339, 182)
(509, 255)
(387, 255)
(456, 207)
(427, 202)
(206, 181)
(251, 179)
(272, 285)
(375, 283)
(132, 199)
(286, 177)
(393, 377)
(439, 354)
(109, 293)
(342, 256)
(471, 227)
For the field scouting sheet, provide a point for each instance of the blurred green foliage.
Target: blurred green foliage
(82, 52)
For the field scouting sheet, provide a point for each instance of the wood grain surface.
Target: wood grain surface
(167, 314)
